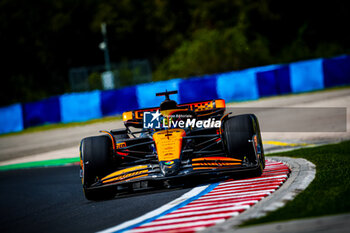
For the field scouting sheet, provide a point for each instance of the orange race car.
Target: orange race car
(167, 143)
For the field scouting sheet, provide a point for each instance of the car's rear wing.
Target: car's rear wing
(203, 109)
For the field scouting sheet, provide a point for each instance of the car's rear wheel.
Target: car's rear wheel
(96, 156)
(238, 134)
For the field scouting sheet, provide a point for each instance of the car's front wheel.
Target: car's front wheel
(239, 132)
(95, 162)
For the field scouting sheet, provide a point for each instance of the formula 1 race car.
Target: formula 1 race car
(170, 142)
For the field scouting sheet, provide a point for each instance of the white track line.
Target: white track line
(174, 226)
(272, 187)
(184, 219)
(242, 194)
(205, 207)
(158, 211)
(220, 204)
(218, 210)
(226, 200)
(253, 179)
(233, 187)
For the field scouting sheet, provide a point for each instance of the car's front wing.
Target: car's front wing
(152, 172)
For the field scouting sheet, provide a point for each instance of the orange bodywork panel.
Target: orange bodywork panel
(127, 116)
(169, 143)
(170, 112)
(214, 162)
(216, 159)
(196, 107)
(134, 172)
(208, 168)
(220, 103)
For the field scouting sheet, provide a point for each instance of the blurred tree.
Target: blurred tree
(41, 40)
(212, 51)
(95, 82)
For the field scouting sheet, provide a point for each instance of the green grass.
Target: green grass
(62, 125)
(329, 192)
(44, 163)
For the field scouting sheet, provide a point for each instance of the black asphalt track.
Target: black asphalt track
(51, 200)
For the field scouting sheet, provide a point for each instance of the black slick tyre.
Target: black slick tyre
(95, 155)
(238, 133)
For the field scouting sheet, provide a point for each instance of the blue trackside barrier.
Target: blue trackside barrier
(197, 88)
(336, 71)
(146, 92)
(11, 119)
(248, 84)
(306, 75)
(78, 107)
(42, 112)
(118, 101)
(267, 83)
(237, 85)
(274, 82)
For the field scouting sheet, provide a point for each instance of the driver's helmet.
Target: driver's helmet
(168, 104)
